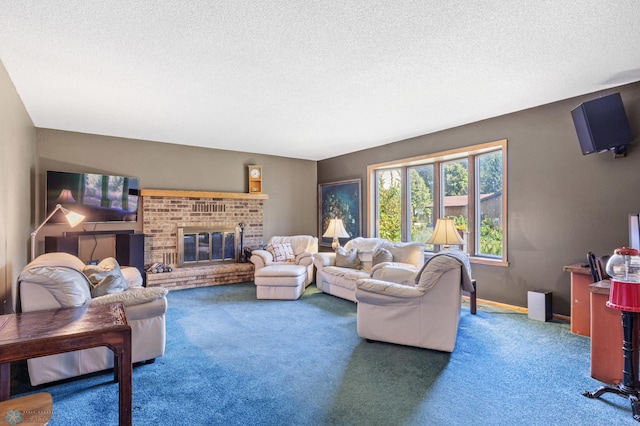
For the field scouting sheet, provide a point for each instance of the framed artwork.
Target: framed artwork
(339, 200)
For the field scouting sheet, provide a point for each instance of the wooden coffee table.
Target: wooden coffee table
(39, 333)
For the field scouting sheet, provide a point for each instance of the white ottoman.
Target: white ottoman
(284, 282)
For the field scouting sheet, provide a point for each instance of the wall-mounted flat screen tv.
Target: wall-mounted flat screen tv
(100, 198)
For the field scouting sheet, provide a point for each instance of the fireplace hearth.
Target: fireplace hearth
(210, 237)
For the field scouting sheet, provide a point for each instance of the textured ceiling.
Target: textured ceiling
(306, 79)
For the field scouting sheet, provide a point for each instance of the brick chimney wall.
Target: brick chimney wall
(163, 214)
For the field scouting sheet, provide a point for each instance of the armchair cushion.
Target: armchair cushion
(105, 277)
(397, 273)
(347, 258)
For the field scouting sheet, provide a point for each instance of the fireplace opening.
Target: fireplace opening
(206, 245)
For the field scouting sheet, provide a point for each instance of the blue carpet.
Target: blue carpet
(235, 360)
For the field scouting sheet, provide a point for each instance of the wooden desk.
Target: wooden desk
(39, 333)
(580, 309)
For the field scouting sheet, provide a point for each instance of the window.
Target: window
(467, 184)
(420, 203)
(389, 204)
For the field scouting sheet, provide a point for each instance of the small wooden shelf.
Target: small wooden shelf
(201, 194)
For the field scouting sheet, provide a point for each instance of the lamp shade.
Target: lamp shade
(336, 229)
(72, 217)
(445, 233)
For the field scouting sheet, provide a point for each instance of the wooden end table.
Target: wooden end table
(39, 333)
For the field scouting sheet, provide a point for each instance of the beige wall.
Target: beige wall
(561, 204)
(17, 165)
(290, 183)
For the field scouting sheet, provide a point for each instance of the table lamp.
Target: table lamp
(445, 234)
(336, 230)
(72, 217)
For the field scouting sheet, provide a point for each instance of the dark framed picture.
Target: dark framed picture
(339, 200)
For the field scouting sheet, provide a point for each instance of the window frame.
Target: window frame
(438, 159)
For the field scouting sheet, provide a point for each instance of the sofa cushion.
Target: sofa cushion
(105, 277)
(381, 255)
(282, 252)
(412, 253)
(347, 258)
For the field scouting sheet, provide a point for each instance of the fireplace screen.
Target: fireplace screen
(203, 245)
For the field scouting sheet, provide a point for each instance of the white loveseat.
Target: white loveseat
(56, 280)
(373, 255)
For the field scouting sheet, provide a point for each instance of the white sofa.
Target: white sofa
(56, 280)
(341, 281)
(420, 309)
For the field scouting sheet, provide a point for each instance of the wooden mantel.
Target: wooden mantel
(201, 194)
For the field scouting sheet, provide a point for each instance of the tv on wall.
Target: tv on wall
(100, 198)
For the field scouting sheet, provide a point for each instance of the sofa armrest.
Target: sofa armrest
(304, 259)
(134, 296)
(320, 260)
(388, 288)
(261, 258)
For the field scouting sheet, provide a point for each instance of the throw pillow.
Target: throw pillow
(105, 277)
(282, 252)
(381, 255)
(347, 258)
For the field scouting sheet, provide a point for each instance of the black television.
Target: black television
(602, 125)
(100, 198)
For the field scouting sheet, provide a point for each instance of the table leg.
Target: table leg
(123, 361)
(474, 298)
(5, 381)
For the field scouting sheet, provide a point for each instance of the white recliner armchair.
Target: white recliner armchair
(285, 267)
(57, 280)
(412, 309)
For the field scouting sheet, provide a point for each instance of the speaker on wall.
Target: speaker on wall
(602, 125)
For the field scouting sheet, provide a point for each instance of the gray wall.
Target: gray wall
(290, 183)
(561, 204)
(17, 165)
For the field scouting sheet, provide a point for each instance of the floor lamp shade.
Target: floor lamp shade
(336, 230)
(72, 217)
(445, 234)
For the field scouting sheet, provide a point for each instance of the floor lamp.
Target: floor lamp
(336, 230)
(445, 234)
(72, 217)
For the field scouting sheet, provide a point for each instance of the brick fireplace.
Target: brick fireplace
(165, 211)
